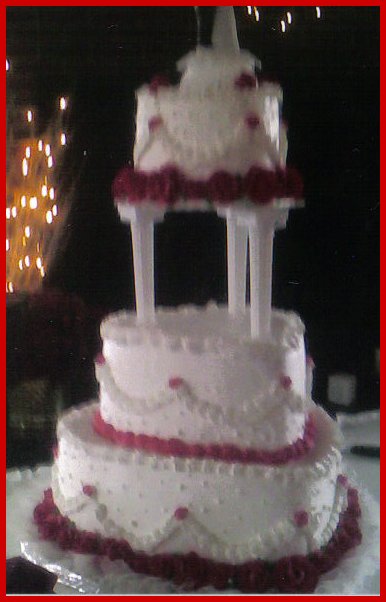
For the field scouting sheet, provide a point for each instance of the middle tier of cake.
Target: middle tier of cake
(196, 376)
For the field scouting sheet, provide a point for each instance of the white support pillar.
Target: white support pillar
(237, 236)
(261, 233)
(142, 220)
(254, 264)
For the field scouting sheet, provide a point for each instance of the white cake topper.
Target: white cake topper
(224, 35)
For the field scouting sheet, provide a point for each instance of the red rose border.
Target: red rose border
(213, 451)
(291, 574)
(169, 185)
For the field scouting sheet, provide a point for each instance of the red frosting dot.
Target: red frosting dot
(286, 382)
(181, 513)
(310, 361)
(100, 359)
(157, 82)
(245, 80)
(342, 480)
(301, 518)
(175, 382)
(89, 490)
(252, 121)
(55, 451)
(154, 123)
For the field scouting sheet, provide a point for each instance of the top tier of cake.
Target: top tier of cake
(219, 118)
(216, 137)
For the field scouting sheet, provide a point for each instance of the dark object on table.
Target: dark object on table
(23, 577)
(52, 339)
(368, 451)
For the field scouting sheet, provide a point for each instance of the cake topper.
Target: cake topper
(224, 35)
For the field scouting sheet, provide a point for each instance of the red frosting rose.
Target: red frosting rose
(163, 186)
(351, 526)
(193, 189)
(295, 574)
(254, 577)
(245, 80)
(342, 540)
(89, 543)
(179, 570)
(325, 560)
(131, 184)
(66, 537)
(220, 574)
(116, 549)
(260, 185)
(140, 563)
(161, 565)
(223, 187)
(197, 574)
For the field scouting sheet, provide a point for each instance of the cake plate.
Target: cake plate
(358, 572)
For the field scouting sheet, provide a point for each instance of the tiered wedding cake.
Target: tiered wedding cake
(205, 460)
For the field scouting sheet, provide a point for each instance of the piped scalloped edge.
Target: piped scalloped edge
(229, 453)
(69, 426)
(122, 327)
(247, 414)
(207, 543)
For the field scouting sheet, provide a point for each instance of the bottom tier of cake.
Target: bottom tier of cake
(289, 574)
(223, 510)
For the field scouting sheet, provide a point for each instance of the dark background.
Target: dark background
(326, 261)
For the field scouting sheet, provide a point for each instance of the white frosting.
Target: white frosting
(269, 421)
(236, 512)
(203, 125)
(229, 381)
(209, 69)
(207, 347)
(195, 374)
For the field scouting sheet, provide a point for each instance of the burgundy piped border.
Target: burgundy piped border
(291, 574)
(169, 185)
(213, 451)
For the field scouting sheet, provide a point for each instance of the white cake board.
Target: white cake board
(358, 572)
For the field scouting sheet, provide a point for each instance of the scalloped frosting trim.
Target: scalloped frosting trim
(122, 327)
(182, 151)
(168, 185)
(289, 574)
(213, 451)
(196, 155)
(246, 413)
(164, 101)
(71, 428)
(205, 542)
